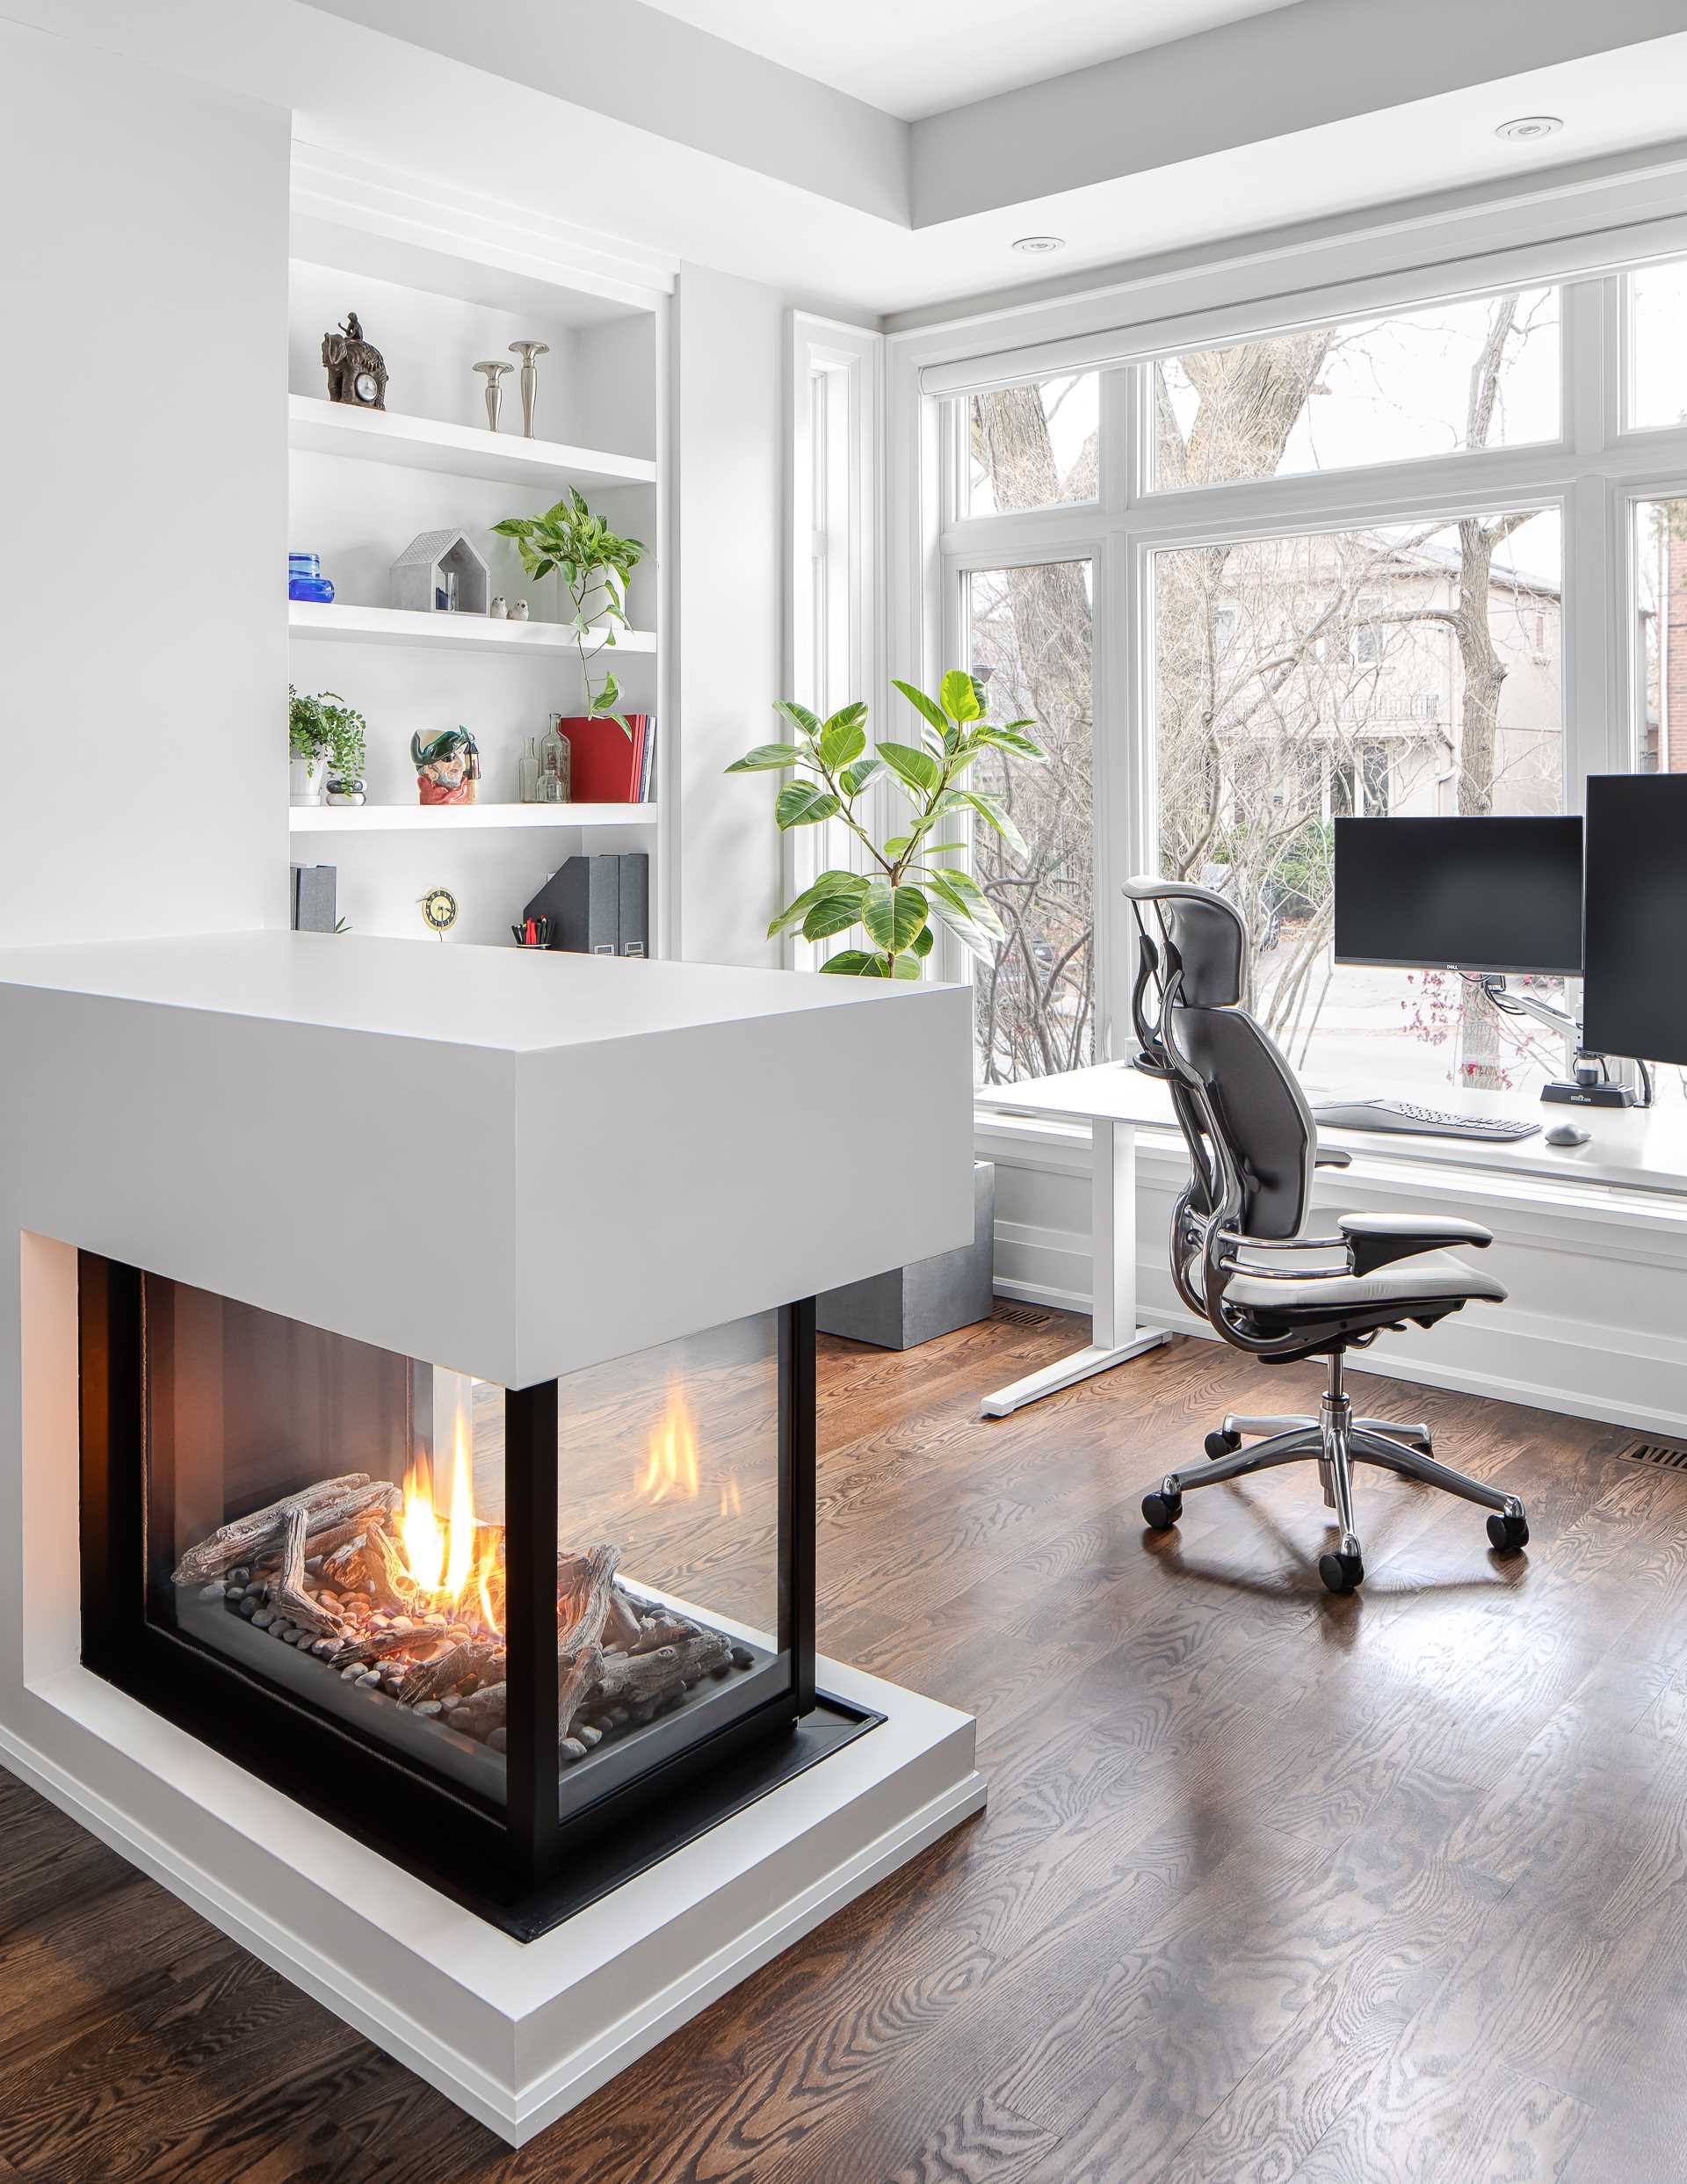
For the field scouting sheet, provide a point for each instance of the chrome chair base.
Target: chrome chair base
(1336, 1441)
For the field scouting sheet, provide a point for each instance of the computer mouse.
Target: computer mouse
(1568, 1134)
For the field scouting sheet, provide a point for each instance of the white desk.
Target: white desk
(1638, 1153)
(1112, 1098)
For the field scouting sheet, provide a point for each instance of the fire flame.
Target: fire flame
(446, 1559)
(671, 1466)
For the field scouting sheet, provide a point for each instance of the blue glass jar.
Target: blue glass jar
(306, 580)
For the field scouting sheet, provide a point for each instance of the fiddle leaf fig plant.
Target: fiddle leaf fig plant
(594, 564)
(914, 877)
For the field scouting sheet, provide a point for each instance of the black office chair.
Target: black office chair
(1238, 1255)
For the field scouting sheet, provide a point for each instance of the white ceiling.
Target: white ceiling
(916, 57)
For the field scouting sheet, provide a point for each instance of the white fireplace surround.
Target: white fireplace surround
(514, 2033)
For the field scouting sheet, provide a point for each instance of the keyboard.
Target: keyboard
(1400, 1114)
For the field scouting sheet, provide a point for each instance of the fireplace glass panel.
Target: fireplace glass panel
(669, 1493)
(328, 1518)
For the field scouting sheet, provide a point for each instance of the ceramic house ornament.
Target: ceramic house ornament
(441, 572)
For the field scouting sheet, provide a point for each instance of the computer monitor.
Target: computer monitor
(1477, 894)
(1634, 1001)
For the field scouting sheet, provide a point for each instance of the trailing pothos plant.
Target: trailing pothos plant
(591, 559)
(916, 877)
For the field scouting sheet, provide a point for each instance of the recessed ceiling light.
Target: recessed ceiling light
(1039, 245)
(1528, 127)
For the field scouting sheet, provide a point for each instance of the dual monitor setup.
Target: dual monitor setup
(1603, 900)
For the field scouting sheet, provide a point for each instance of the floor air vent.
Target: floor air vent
(1021, 1315)
(1656, 1452)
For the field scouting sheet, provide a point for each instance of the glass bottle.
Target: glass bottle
(527, 773)
(554, 764)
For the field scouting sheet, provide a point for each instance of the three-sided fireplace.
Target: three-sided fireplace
(524, 1641)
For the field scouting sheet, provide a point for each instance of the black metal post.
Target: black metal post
(113, 1536)
(533, 1740)
(797, 1491)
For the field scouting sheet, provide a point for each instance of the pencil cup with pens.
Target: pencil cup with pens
(532, 933)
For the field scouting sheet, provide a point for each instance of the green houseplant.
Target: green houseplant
(594, 563)
(914, 878)
(326, 738)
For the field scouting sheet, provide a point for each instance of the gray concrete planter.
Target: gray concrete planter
(908, 1305)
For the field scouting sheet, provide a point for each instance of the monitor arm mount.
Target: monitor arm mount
(1591, 1084)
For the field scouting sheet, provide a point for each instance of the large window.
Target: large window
(1246, 587)
(1444, 381)
(1397, 669)
(1029, 641)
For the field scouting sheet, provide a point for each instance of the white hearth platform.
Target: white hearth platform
(514, 2033)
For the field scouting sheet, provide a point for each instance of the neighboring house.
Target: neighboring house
(1664, 729)
(1378, 720)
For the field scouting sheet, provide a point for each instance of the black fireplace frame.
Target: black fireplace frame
(519, 1864)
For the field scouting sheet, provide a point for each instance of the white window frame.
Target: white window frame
(1593, 472)
(833, 653)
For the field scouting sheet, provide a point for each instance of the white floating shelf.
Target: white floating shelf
(456, 818)
(456, 633)
(334, 428)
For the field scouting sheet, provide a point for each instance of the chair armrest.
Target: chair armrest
(1332, 1157)
(1380, 1239)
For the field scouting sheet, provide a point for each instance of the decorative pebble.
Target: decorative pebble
(239, 1577)
(247, 1607)
(428, 1708)
(719, 1674)
(370, 1676)
(588, 1735)
(350, 1675)
(214, 1590)
(324, 1646)
(306, 1641)
(497, 1740)
(742, 1657)
(452, 1698)
(572, 1750)
(458, 1632)
(382, 1617)
(400, 1623)
(264, 1618)
(434, 1621)
(330, 1600)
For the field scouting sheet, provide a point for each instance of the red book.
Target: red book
(605, 764)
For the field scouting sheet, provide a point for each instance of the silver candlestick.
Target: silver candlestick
(494, 371)
(529, 352)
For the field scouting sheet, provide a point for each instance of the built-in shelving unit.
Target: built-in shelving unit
(443, 819)
(319, 427)
(455, 633)
(364, 483)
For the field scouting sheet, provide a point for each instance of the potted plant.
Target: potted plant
(326, 749)
(593, 564)
(914, 879)
(911, 879)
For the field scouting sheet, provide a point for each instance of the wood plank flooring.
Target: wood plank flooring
(1273, 1888)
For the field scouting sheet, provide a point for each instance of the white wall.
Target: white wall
(730, 434)
(142, 561)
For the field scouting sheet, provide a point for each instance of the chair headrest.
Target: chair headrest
(1208, 934)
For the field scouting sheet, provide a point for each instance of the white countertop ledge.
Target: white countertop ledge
(508, 1000)
(512, 1164)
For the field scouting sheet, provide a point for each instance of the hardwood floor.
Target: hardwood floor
(1271, 1886)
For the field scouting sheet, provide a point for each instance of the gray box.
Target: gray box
(908, 1305)
(314, 891)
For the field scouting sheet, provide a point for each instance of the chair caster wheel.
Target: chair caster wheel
(1221, 1444)
(1508, 1533)
(1341, 1573)
(1160, 1512)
